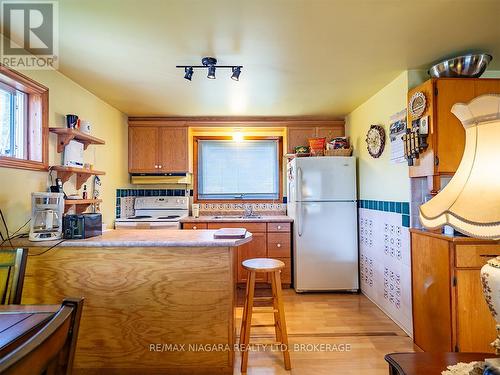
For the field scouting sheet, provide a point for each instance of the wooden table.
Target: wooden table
(20, 322)
(429, 363)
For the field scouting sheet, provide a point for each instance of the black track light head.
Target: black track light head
(189, 73)
(236, 73)
(211, 72)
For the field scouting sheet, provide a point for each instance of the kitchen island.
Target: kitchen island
(156, 301)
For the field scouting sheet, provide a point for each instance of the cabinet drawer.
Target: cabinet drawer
(475, 255)
(251, 227)
(286, 273)
(278, 245)
(194, 226)
(278, 227)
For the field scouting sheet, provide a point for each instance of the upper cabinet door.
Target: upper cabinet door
(173, 151)
(142, 149)
(451, 132)
(299, 137)
(330, 132)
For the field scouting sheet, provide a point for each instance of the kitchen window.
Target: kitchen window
(13, 122)
(23, 122)
(230, 170)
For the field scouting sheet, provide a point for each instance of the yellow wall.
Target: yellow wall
(379, 179)
(107, 123)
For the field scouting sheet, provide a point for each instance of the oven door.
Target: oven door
(147, 225)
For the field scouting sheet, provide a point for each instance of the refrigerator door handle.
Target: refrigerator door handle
(299, 184)
(299, 199)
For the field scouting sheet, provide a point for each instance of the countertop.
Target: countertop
(142, 238)
(452, 238)
(232, 219)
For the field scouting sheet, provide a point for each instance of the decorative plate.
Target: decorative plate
(375, 140)
(417, 104)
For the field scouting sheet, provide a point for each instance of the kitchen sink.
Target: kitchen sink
(237, 217)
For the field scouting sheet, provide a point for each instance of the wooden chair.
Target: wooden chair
(52, 349)
(12, 268)
(273, 267)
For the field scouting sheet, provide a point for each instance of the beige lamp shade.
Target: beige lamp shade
(470, 202)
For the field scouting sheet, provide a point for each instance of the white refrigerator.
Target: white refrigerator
(322, 201)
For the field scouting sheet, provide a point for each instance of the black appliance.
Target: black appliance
(81, 226)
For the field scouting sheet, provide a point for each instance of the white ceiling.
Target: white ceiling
(300, 57)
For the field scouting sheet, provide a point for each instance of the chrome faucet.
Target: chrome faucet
(248, 210)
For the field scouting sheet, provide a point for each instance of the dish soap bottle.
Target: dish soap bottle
(85, 194)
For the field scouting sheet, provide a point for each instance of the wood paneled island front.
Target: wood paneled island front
(156, 301)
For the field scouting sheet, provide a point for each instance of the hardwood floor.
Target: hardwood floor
(334, 320)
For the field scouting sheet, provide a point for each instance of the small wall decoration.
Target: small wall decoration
(396, 131)
(375, 140)
(417, 104)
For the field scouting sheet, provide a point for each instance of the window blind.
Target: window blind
(238, 170)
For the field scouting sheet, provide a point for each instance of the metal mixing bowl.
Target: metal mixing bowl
(469, 66)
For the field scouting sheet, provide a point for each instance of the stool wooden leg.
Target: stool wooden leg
(244, 315)
(248, 321)
(282, 321)
(276, 313)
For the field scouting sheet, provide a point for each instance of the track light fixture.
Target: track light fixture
(210, 63)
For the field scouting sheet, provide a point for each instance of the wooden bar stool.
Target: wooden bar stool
(273, 267)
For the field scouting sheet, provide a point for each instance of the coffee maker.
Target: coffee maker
(47, 211)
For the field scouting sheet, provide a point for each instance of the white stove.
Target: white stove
(155, 213)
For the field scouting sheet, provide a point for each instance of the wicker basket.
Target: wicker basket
(339, 152)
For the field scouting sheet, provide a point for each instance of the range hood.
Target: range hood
(162, 178)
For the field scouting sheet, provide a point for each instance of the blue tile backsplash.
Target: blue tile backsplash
(151, 193)
(402, 208)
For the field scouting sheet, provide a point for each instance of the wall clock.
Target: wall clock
(375, 140)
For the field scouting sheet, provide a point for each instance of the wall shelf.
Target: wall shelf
(82, 174)
(64, 135)
(80, 205)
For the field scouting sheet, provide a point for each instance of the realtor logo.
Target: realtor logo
(29, 34)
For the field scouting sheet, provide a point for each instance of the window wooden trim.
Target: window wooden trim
(227, 138)
(38, 95)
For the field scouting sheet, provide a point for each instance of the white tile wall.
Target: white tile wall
(385, 264)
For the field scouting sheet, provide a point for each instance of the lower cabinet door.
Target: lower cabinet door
(476, 327)
(257, 248)
(286, 273)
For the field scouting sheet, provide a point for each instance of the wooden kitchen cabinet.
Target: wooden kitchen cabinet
(253, 249)
(195, 226)
(161, 148)
(446, 139)
(270, 240)
(173, 150)
(449, 309)
(299, 135)
(142, 150)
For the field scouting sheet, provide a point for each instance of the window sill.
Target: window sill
(32, 165)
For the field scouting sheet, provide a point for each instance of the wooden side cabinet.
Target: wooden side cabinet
(157, 149)
(270, 240)
(449, 309)
(446, 137)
